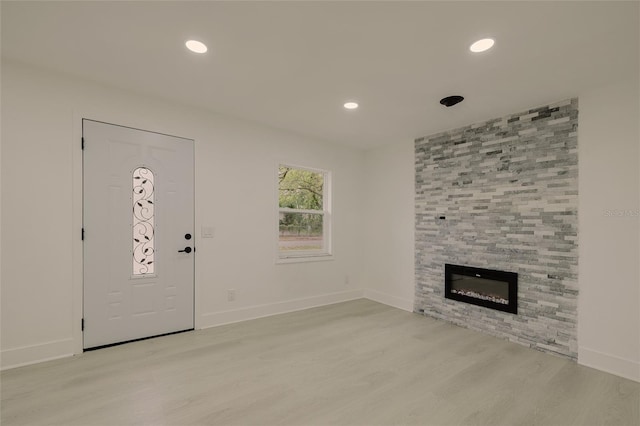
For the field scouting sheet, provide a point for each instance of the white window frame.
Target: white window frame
(295, 256)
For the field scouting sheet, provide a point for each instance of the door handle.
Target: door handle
(186, 250)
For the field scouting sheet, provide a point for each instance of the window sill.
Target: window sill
(302, 259)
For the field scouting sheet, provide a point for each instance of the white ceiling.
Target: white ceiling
(291, 65)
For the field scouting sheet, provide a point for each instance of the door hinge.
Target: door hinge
(82, 144)
(82, 236)
(82, 324)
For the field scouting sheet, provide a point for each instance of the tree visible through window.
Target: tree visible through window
(303, 212)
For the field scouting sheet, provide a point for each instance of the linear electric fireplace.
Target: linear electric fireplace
(483, 287)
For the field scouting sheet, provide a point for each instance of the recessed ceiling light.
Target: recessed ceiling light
(482, 45)
(196, 46)
(351, 105)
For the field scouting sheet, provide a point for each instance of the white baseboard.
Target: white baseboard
(387, 299)
(622, 367)
(259, 311)
(27, 355)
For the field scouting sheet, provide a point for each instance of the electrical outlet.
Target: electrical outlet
(231, 295)
(346, 279)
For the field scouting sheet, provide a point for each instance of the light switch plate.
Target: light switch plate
(207, 231)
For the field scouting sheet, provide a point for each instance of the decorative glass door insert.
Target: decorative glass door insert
(143, 222)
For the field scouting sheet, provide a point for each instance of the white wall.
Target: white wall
(389, 274)
(235, 193)
(609, 227)
(609, 253)
(41, 284)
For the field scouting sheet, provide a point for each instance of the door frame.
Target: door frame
(77, 207)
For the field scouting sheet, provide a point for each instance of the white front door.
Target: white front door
(138, 225)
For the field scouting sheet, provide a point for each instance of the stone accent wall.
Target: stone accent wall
(508, 189)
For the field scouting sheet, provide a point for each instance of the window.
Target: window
(304, 217)
(143, 222)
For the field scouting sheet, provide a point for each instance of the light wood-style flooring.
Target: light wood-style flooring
(354, 363)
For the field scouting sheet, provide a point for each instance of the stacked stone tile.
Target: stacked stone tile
(508, 191)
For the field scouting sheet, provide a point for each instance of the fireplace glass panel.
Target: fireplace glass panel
(480, 288)
(484, 287)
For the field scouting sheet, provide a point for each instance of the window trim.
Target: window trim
(297, 256)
